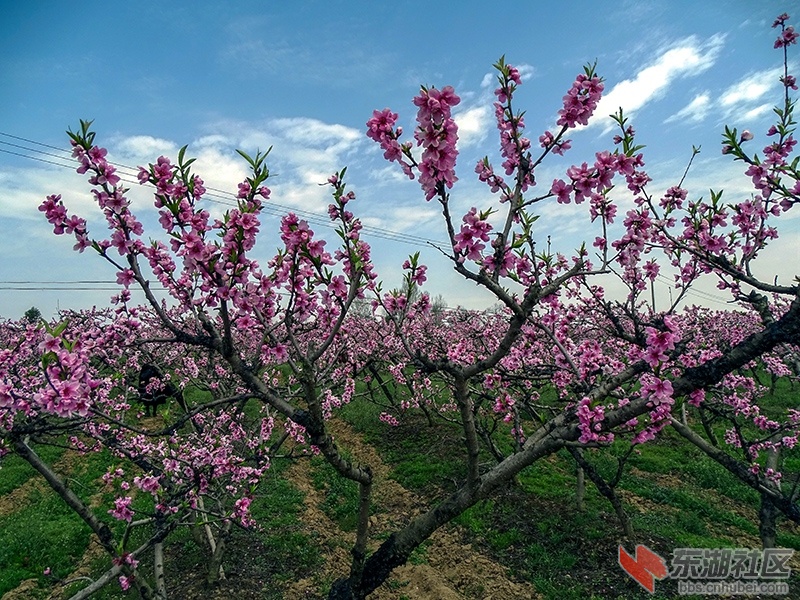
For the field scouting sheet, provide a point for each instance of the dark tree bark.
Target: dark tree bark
(564, 430)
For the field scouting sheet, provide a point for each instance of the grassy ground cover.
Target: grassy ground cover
(675, 496)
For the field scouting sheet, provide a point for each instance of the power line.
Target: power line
(80, 281)
(223, 197)
(63, 289)
(694, 292)
(36, 158)
(22, 139)
(94, 285)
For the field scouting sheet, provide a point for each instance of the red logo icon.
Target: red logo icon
(645, 568)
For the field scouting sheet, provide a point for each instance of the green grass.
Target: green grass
(341, 495)
(278, 508)
(44, 534)
(14, 471)
(675, 496)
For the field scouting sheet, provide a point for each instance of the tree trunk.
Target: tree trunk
(767, 525)
(158, 571)
(608, 491)
(768, 513)
(215, 570)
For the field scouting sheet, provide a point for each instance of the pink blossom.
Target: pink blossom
(658, 391)
(561, 190)
(580, 101)
(122, 509)
(474, 231)
(437, 133)
(787, 37)
(389, 419)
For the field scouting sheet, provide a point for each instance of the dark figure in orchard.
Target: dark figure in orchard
(153, 391)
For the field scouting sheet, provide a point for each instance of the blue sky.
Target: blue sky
(304, 77)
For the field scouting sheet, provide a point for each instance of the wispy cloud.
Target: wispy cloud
(750, 89)
(688, 58)
(255, 47)
(142, 148)
(293, 140)
(695, 111)
(743, 100)
(745, 97)
(404, 218)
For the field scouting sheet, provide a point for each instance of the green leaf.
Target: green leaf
(245, 156)
(48, 359)
(60, 328)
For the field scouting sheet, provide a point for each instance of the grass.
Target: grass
(675, 496)
(680, 499)
(46, 533)
(341, 495)
(16, 471)
(421, 456)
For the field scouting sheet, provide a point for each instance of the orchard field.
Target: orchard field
(532, 541)
(288, 428)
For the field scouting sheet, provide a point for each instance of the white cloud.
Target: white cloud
(312, 132)
(306, 152)
(688, 58)
(755, 113)
(405, 219)
(144, 148)
(23, 189)
(750, 89)
(695, 111)
(312, 198)
(526, 71)
(391, 173)
(473, 125)
(742, 99)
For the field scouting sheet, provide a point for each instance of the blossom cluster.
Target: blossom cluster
(514, 147)
(470, 240)
(581, 100)
(437, 134)
(381, 128)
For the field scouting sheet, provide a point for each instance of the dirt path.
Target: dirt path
(452, 569)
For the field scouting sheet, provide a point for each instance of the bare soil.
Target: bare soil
(453, 569)
(450, 569)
